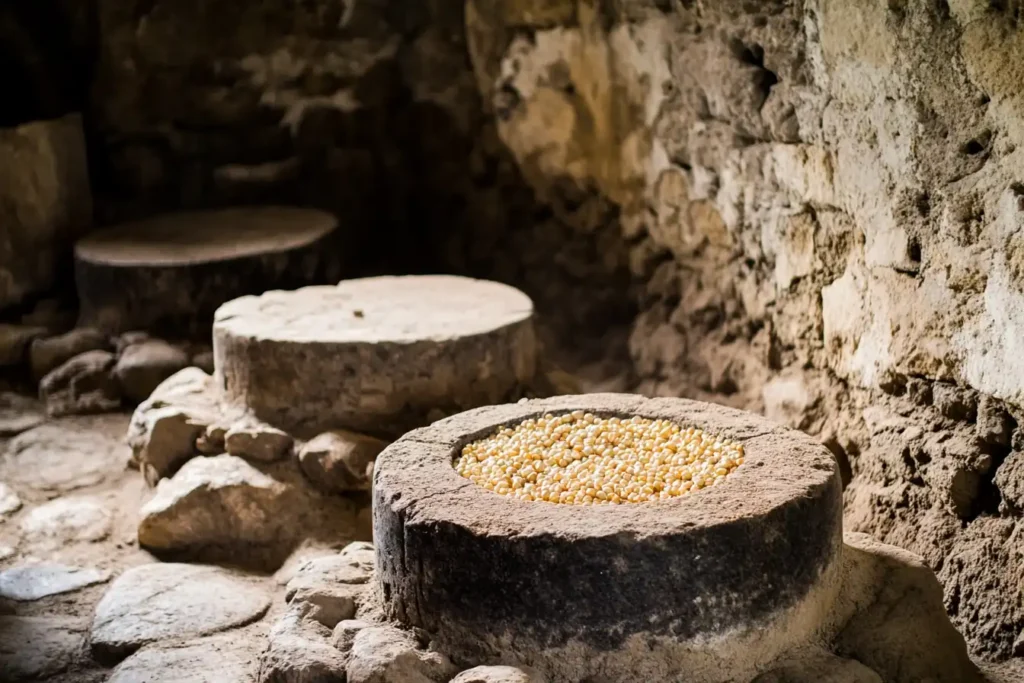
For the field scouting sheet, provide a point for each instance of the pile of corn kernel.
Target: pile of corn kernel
(582, 459)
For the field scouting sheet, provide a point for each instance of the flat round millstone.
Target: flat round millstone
(377, 355)
(577, 591)
(169, 273)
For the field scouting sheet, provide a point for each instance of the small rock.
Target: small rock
(35, 581)
(38, 647)
(345, 631)
(994, 424)
(143, 366)
(954, 402)
(212, 440)
(340, 461)
(157, 602)
(127, 339)
(256, 441)
(9, 500)
(204, 361)
(215, 501)
(332, 586)
(48, 354)
(384, 654)
(164, 428)
(67, 520)
(81, 386)
(61, 457)
(14, 342)
(1009, 480)
(217, 659)
(299, 651)
(499, 674)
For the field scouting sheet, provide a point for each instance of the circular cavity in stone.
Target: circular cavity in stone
(376, 355)
(710, 586)
(169, 273)
(584, 459)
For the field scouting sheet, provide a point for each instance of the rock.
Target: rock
(384, 654)
(165, 427)
(332, 586)
(45, 198)
(37, 647)
(81, 386)
(216, 659)
(994, 424)
(1009, 480)
(67, 520)
(216, 501)
(814, 665)
(899, 626)
(169, 273)
(63, 456)
(212, 440)
(18, 414)
(299, 651)
(14, 342)
(955, 402)
(48, 354)
(123, 341)
(344, 633)
(157, 602)
(35, 581)
(256, 441)
(374, 355)
(340, 461)
(143, 366)
(9, 500)
(1004, 672)
(499, 674)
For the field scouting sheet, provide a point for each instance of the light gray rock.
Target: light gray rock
(14, 342)
(214, 501)
(164, 428)
(155, 602)
(35, 581)
(82, 385)
(334, 586)
(60, 457)
(9, 500)
(384, 654)
(142, 366)
(48, 354)
(37, 647)
(67, 520)
(340, 461)
(299, 651)
(216, 659)
(254, 440)
(499, 674)
(345, 631)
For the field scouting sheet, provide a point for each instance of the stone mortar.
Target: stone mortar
(709, 585)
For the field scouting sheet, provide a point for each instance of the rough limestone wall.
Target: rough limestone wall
(824, 201)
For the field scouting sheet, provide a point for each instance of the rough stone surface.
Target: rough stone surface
(333, 587)
(9, 500)
(156, 602)
(499, 674)
(299, 651)
(818, 666)
(219, 501)
(340, 461)
(438, 537)
(67, 520)
(48, 354)
(164, 428)
(35, 581)
(141, 367)
(61, 457)
(344, 634)
(82, 385)
(217, 659)
(46, 202)
(376, 354)
(37, 647)
(255, 441)
(168, 274)
(383, 654)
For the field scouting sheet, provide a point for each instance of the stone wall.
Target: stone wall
(812, 209)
